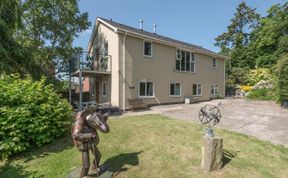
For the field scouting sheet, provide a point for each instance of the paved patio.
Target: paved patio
(262, 119)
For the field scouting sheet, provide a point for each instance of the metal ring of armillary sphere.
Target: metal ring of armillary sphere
(209, 114)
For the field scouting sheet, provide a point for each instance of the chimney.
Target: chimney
(155, 28)
(141, 24)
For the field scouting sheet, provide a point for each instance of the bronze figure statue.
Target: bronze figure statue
(85, 136)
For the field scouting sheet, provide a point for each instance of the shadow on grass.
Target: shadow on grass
(59, 144)
(228, 156)
(13, 171)
(116, 164)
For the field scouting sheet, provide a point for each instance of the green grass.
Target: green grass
(154, 146)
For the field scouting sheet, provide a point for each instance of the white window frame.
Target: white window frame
(147, 56)
(193, 62)
(170, 89)
(215, 88)
(102, 89)
(146, 89)
(190, 61)
(197, 87)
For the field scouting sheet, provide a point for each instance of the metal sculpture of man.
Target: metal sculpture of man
(85, 136)
(209, 115)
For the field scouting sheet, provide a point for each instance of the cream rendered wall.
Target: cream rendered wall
(160, 69)
(107, 98)
(112, 82)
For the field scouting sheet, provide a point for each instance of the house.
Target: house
(130, 63)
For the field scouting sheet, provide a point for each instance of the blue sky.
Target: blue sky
(197, 22)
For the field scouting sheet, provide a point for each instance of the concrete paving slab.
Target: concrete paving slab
(262, 119)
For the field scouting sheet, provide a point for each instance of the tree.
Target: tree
(283, 79)
(237, 36)
(50, 28)
(270, 38)
(13, 57)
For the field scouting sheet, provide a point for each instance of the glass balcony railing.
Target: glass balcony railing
(91, 61)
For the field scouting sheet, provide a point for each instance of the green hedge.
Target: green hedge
(262, 94)
(31, 114)
(283, 79)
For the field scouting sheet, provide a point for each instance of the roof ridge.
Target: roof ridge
(153, 35)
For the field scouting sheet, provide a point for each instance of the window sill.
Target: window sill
(143, 97)
(175, 96)
(197, 95)
(149, 57)
(178, 71)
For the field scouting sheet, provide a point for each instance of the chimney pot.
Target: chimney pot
(155, 28)
(141, 24)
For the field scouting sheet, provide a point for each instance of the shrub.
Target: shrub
(260, 74)
(283, 79)
(262, 94)
(238, 76)
(263, 84)
(31, 114)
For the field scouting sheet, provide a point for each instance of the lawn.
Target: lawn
(154, 146)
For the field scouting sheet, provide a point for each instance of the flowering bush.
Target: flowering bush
(246, 88)
(260, 74)
(263, 84)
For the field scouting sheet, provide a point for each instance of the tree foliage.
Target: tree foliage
(270, 38)
(13, 57)
(31, 114)
(36, 36)
(253, 42)
(283, 78)
(238, 32)
(50, 28)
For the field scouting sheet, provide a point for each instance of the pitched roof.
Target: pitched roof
(154, 36)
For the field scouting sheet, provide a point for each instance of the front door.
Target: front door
(97, 92)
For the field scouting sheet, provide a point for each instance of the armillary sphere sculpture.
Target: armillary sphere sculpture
(209, 115)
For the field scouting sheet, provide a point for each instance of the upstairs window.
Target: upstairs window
(146, 89)
(192, 63)
(105, 49)
(197, 89)
(147, 49)
(185, 61)
(214, 62)
(214, 89)
(175, 89)
(103, 89)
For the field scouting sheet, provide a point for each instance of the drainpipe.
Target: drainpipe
(124, 72)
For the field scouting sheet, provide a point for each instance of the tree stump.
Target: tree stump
(212, 153)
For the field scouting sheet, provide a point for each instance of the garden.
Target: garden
(153, 146)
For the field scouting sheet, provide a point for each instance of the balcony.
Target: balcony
(90, 64)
